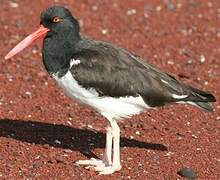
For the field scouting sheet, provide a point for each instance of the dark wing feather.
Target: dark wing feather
(115, 72)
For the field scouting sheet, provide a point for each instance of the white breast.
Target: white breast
(108, 106)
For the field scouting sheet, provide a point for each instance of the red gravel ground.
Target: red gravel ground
(42, 132)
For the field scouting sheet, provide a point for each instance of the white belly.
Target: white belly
(108, 106)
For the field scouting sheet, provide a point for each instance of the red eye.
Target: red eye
(56, 19)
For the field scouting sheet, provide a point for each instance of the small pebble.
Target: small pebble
(104, 31)
(169, 153)
(131, 137)
(194, 136)
(189, 61)
(89, 126)
(28, 93)
(202, 58)
(170, 62)
(209, 4)
(131, 12)
(37, 157)
(188, 173)
(206, 83)
(137, 132)
(159, 8)
(13, 4)
(200, 16)
(94, 8)
(68, 150)
(179, 5)
(69, 123)
(34, 51)
(57, 141)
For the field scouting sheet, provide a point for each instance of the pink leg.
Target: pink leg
(107, 165)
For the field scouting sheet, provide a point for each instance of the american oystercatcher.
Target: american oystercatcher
(111, 80)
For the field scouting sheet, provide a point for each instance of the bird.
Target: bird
(113, 81)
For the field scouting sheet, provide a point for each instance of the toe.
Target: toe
(92, 161)
(107, 171)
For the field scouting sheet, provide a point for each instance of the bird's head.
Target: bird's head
(54, 21)
(59, 20)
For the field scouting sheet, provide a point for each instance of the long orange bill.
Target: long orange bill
(40, 32)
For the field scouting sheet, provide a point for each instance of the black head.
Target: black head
(62, 35)
(59, 20)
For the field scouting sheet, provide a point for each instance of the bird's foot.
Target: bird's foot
(107, 169)
(91, 162)
(99, 165)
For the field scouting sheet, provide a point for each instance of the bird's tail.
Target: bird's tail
(200, 99)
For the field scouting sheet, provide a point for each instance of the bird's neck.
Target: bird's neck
(57, 52)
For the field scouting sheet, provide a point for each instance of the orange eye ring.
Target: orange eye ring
(56, 19)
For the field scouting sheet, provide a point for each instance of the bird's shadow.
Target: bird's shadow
(65, 137)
